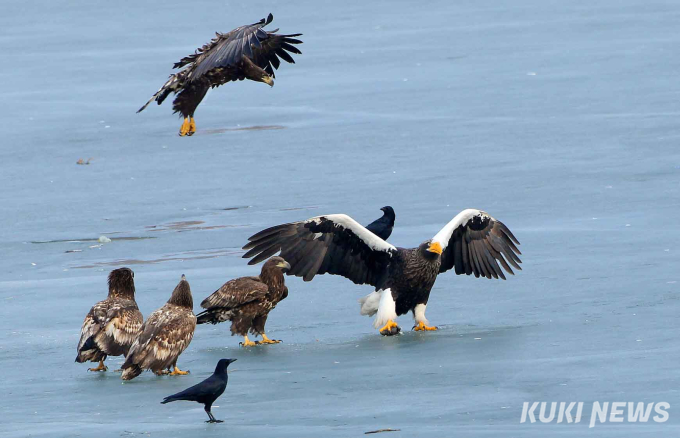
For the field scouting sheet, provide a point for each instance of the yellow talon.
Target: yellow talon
(101, 367)
(247, 342)
(389, 329)
(192, 126)
(178, 372)
(422, 327)
(185, 127)
(266, 340)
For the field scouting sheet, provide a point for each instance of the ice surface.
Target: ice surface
(558, 118)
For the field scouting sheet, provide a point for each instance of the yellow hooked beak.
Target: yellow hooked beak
(283, 265)
(435, 247)
(268, 80)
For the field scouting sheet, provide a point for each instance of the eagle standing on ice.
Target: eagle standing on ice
(111, 325)
(247, 301)
(473, 242)
(247, 52)
(164, 336)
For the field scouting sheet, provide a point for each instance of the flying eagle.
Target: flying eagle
(383, 226)
(473, 242)
(164, 336)
(112, 325)
(247, 52)
(247, 301)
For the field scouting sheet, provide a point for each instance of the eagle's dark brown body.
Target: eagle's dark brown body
(247, 52)
(414, 272)
(112, 325)
(247, 301)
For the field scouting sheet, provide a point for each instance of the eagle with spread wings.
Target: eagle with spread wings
(473, 242)
(247, 52)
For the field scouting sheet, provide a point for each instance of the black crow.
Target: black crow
(383, 227)
(207, 391)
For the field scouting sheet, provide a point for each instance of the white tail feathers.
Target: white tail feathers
(369, 303)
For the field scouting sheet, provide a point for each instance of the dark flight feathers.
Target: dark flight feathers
(247, 52)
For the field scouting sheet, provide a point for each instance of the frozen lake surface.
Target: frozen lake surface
(558, 118)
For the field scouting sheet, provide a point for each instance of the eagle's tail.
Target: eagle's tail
(173, 84)
(131, 372)
(370, 303)
(89, 352)
(214, 316)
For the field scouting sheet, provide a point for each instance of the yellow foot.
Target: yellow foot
(101, 367)
(185, 127)
(192, 126)
(266, 340)
(178, 372)
(247, 343)
(420, 327)
(389, 329)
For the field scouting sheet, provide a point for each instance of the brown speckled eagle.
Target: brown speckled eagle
(164, 336)
(247, 301)
(111, 325)
(247, 52)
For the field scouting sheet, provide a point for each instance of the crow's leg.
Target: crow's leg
(101, 367)
(210, 415)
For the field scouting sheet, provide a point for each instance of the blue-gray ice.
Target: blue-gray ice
(560, 118)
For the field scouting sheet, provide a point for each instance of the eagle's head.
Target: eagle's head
(277, 262)
(122, 282)
(431, 250)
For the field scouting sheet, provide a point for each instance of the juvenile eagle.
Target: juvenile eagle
(247, 52)
(473, 242)
(247, 301)
(164, 336)
(383, 226)
(112, 325)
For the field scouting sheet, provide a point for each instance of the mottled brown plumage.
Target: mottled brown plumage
(247, 301)
(164, 336)
(112, 325)
(247, 52)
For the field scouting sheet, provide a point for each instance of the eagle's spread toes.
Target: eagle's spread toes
(422, 327)
(184, 130)
(101, 367)
(247, 342)
(192, 126)
(390, 329)
(178, 372)
(266, 340)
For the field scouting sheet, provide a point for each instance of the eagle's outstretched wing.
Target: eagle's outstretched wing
(334, 244)
(236, 293)
(473, 242)
(227, 50)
